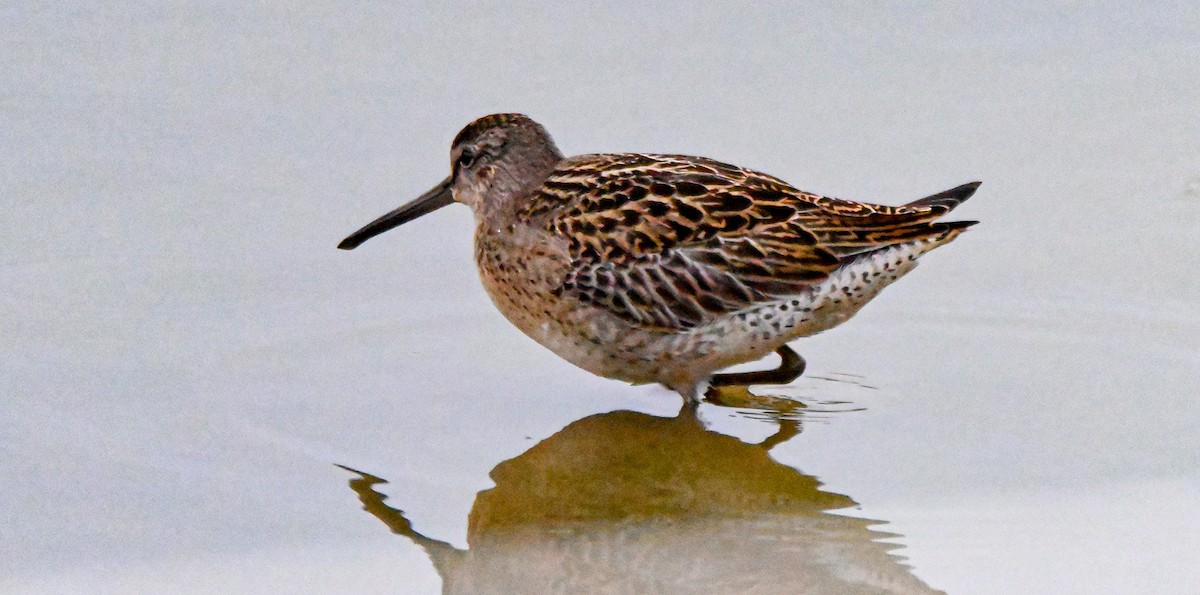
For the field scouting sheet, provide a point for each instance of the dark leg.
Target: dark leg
(790, 368)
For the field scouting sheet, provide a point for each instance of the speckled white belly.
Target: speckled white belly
(614, 348)
(757, 331)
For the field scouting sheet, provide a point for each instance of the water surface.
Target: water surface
(187, 358)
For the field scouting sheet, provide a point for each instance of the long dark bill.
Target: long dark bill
(437, 197)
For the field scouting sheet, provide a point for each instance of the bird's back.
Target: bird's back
(674, 242)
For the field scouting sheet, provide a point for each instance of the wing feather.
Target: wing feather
(673, 242)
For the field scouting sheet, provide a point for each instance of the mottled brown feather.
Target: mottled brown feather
(673, 242)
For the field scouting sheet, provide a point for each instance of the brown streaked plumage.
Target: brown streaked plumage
(666, 268)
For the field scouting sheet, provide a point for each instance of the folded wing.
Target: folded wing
(673, 242)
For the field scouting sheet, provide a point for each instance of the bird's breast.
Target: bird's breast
(522, 269)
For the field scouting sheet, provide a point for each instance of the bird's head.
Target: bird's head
(494, 161)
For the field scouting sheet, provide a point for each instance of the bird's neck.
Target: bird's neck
(514, 186)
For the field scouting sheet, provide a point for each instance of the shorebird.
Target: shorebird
(667, 268)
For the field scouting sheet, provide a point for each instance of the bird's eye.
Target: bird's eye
(466, 158)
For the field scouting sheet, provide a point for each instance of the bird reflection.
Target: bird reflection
(626, 502)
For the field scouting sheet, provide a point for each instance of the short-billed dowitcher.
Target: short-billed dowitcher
(667, 268)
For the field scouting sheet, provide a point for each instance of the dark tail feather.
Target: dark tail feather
(954, 225)
(940, 231)
(948, 199)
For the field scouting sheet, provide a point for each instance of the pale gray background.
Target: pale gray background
(185, 352)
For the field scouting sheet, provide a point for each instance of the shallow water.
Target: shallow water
(188, 359)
